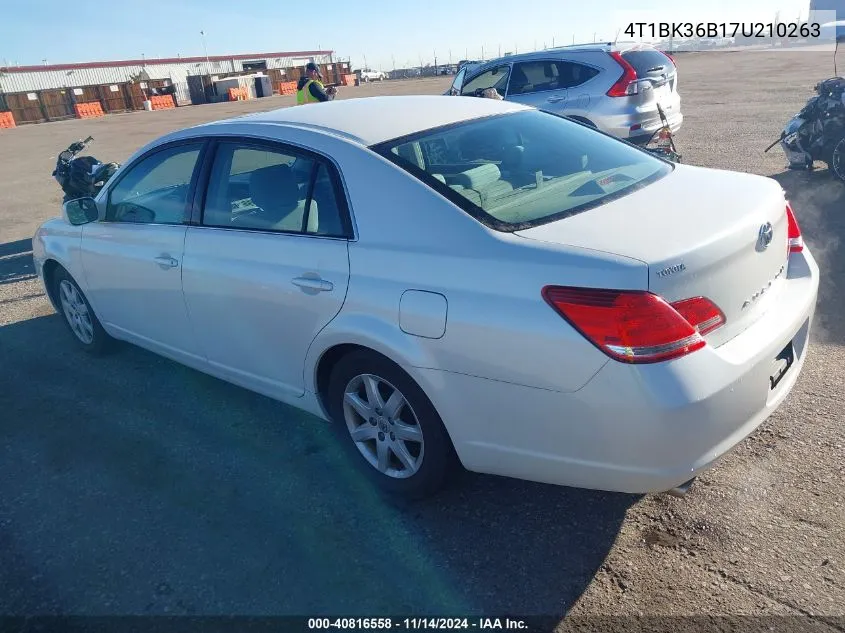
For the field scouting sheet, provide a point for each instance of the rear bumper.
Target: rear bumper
(638, 123)
(636, 429)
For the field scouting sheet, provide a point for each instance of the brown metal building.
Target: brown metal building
(35, 94)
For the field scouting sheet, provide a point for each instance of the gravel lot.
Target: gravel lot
(132, 485)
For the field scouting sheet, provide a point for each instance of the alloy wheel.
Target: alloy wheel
(837, 157)
(76, 312)
(383, 426)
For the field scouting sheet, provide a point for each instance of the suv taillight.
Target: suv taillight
(636, 326)
(796, 241)
(627, 84)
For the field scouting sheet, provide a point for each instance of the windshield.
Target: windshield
(519, 170)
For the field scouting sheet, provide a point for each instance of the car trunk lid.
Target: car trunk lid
(702, 232)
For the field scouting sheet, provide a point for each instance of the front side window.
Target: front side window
(523, 169)
(254, 187)
(494, 78)
(155, 190)
(459, 79)
(543, 75)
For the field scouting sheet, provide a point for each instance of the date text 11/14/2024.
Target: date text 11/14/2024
(416, 624)
(762, 30)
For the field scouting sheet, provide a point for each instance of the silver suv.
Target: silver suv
(614, 87)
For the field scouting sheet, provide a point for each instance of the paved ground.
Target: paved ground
(133, 485)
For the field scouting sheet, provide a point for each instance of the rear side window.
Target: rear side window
(648, 62)
(271, 190)
(524, 169)
(542, 75)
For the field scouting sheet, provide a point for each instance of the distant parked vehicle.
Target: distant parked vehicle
(373, 75)
(614, 87)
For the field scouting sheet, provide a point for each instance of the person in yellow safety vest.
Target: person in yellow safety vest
(310, 88)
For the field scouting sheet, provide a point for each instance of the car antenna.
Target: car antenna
(835, 23)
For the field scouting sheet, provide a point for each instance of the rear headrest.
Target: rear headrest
(412, 152)
(274, 188)
(479, 177)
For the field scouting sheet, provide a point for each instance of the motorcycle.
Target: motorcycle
(817, 132)
(81, 176)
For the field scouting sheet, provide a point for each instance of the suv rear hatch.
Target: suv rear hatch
(648, 75)
(699, 232)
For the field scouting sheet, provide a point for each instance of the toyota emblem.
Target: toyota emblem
(765, 235)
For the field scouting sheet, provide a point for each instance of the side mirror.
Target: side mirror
(81, 211)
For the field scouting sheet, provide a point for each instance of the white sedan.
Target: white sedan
(453, 282)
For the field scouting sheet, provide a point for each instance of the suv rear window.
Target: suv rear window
(523, 169)
(648, 62)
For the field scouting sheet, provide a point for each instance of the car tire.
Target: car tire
(836, 159)
(77, 314)
(388, 452)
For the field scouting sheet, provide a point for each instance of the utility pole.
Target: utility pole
(594, 37)
(500, 50)
(205, 48)
(393, 59)
(573, 39)
(482, 52)
(553, 41)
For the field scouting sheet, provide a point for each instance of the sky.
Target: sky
(380, 34)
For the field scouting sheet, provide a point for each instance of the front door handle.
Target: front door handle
(555, 99)
(313, 283)
(165, 261)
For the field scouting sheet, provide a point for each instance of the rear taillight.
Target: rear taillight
(796, 241)
(627, 84)
(701, 313)
(636, 326)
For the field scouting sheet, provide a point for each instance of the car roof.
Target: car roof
(596, 47)
(373, 120)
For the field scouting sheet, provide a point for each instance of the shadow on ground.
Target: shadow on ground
(16, 261)
(134, 485)
(818, 200)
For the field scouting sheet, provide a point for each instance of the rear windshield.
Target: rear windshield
(648, 62)
(524, 169)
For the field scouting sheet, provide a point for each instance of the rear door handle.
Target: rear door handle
(165, 261)
(555, 99)
(313, 283)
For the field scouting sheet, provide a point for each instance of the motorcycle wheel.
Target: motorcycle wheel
(836, 162)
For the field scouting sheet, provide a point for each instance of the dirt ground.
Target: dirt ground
(131, 485)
